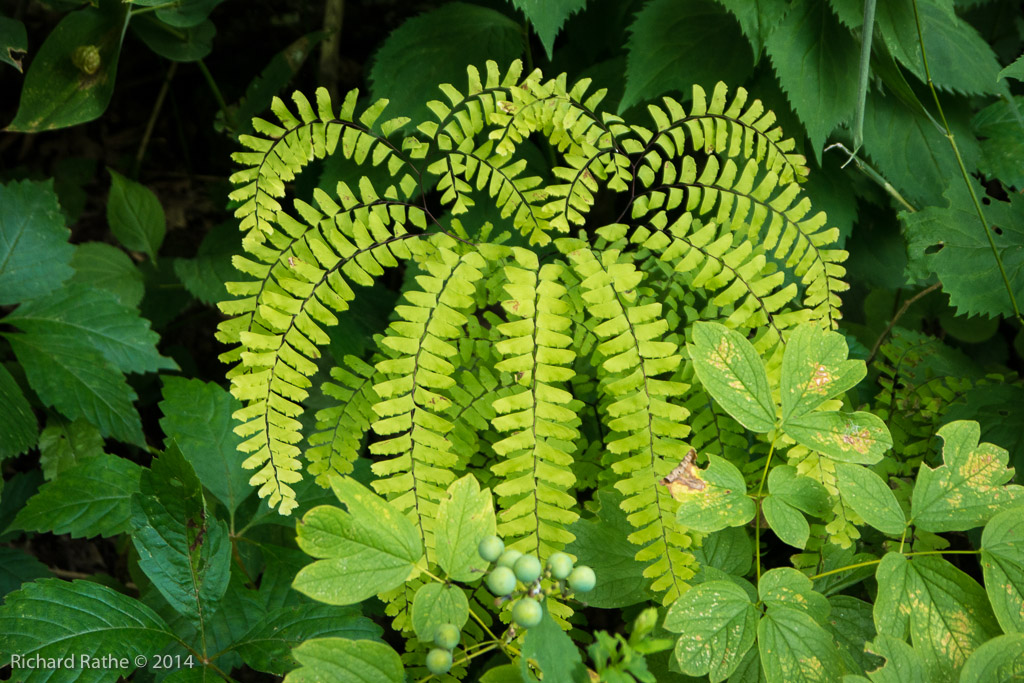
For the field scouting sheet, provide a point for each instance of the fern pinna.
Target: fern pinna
(518, 346)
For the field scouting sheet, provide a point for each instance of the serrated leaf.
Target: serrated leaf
(786, 521)
(368, 549)
(814, 369)
(53, 618)
(17, 568)
(786, 587)
(465, 516)
(796, 649)
(903, 664)
(35, 257)
(1002, 140)
(553, 652)
(722, 502)
(135, 215)
(547, 17)
(859, 437)
(850, 624)
(56, 93)
(184, 551)
(871, 498)
(63, 443)
(106, 267)
(968, 489)
(197, 417)
(732, 372)
(19, 429)
(339, 659)
(1000, 660)
(435, 604)
(758, 18)
(1014, 70)
(93, 319)
(671, 47)
(1002, 561)
(267, 646)
(816, 61)
(90, 498)
(718, 624)
(802, 492)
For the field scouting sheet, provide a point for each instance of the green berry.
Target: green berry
(527, 568)
(501, 581)
(582, 579)
(447, 636)
(439, 661)
(491, 548)
(560, 565)
(527, 613)
(508, 558)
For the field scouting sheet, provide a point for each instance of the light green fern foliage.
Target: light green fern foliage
(546, 352)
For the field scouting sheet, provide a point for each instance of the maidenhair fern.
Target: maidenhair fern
(545, 353)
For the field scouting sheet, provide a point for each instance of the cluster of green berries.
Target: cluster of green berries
(513, 566)
(446, 638)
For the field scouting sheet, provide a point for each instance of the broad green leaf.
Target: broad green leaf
(104, 266)
(816, 61)
(13, 42)
(950, 242)
(368, 549)
(945, 612)
(758, 18)
(903, 663)
(547, 17)
(786, 587)
(723, 501)
(352, 661)
(464, 516)
(64, 443)
(35, 257)
(814, 369)
(871, 498)
(601, 543)
(968, 489)
(851, 626)
(435, 604)
(93, 318)
(17, 568)
(53, 618)
(181, 13)
(267, 646)
(554, 653)
(204, 276)
(79, 382)
(90, 498)
(718, 624)
(436, 47)
(859, 437)
(1015, 70)
(672, 47)
(796, 649)
(801, 492)
(786, 521)
(749, 669)
(19, 429)
(57, 93)
(184, 551)
(182, 45)
(506, 673)
(197, 417)
(1002, 561)
(729, 550)
(1002, 144)
(1000, 660)
(135, 215)
(731, 371)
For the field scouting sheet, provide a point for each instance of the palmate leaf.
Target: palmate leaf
(718, 624)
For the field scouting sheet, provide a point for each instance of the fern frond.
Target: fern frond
(341, 428)
(537, 454)
(637, 363)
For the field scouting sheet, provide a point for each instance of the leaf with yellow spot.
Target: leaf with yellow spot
(815, 368)
(786, 587)
(969, 488)
(721, 503)
(902, 663)
(796, 649)
(847, 437)
(1002, 561)
(1000, 660)
(718, 624)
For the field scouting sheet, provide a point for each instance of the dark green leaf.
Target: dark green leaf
(802, 492)
(19, 429)
(185, 44)
(197, 417)
(1002, 131)
(204, 276)
(352, 661)
(90, 498)
(786, 521)
(57, 93)
(104, 266)
(63, 443)
(729, 550)
(13, 42)
(436, 604)
(796, 649)
(672, 47)
(718, 624)
(1000, 660)
(547, 17)
(851, 625)
(135, 215)
(183, 13)
(1015, 70)
(722, 502)
(464, 516)
(184, 551)
(16, 568)
(871, 498)
(1002, 560)
(554, 653)
(35, 257)
(758, 18)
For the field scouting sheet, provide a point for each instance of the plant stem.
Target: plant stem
(757, 511)
(157, 106)
(899, 314)
(872, 174)
(868, 563)
(229, 119)
(963, 169)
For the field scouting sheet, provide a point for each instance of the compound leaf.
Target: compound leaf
(903, 664)
(870, 498)
(106, 267)
(718, 624)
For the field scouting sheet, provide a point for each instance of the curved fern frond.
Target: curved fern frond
(537, 454)
(341, 427)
